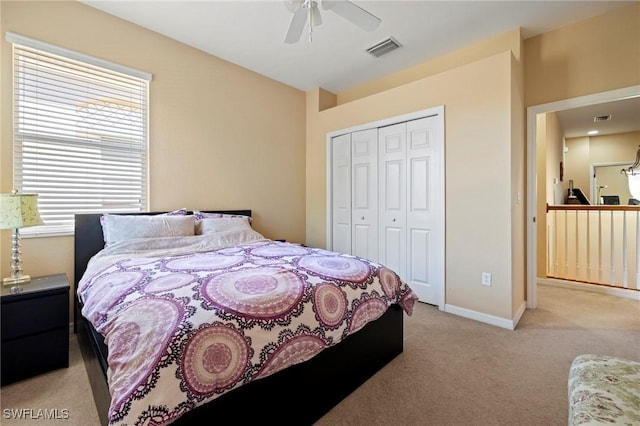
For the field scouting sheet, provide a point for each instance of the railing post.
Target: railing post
(612, 269)
(600, 269)
(555, 242)
(577, 249)
(637, 250)
(588, 246)
(625, 254)
(566, 245)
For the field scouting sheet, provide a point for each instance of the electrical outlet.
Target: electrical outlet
(486, 278)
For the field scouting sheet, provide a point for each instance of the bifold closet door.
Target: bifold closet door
(341, 193)
(388, 200)
(424, 195)
(392, 192)
(364, 176)
(408, 171)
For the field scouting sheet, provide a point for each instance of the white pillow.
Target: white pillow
(228, 230)
(211, 225)
(126, 227)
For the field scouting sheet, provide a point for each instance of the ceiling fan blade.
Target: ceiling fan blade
(296, 26)
(293, 5)
(353, 13)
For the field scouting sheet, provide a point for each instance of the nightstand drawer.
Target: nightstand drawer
(33, 355)
(35, 328)
(42, 312)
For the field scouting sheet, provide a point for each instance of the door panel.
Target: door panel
(361, 241)
(393, 200)
(393, 177)
(419, 184)
(419, 249)
(425, 191)
(341, 193)
(393, 248)
(364, 217)
(362, 187)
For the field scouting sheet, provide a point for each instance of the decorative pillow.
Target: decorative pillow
(604, 390)
(126, 227)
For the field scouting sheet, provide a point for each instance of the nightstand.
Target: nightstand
(35, 328)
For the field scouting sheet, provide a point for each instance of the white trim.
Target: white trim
(441, 218)
(592, 288)
(486, 318)
(72, 54)
(329, 189)
(519, 314)
(389, 121)
(532, 112)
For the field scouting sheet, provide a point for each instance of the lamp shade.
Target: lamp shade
(634, 185)
(19, 211)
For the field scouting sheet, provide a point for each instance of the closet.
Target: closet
(386, 197)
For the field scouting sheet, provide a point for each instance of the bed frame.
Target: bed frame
(298, 395)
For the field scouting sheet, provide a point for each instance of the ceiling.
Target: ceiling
(251, 34)
(625, 117)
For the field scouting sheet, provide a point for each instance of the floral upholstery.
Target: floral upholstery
(604, 390)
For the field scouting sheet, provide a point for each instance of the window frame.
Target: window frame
(131, 146)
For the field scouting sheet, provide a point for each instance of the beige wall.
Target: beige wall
(549, 153)
(482, 176)
(590, 56)
(554, 135)
(518, 183)
(577, 163)
(585, 151)
(220, 136)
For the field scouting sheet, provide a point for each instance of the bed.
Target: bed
(275, 384)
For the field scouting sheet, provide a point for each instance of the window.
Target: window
(80, 134)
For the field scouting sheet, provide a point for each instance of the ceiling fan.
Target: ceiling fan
(307, 10)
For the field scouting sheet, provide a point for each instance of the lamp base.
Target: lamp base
(15, 282)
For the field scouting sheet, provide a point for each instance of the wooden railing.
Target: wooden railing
(594, 244)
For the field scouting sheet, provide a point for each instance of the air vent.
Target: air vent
(383, 47)
(602, 118)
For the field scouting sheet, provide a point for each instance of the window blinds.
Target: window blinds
(80, 137)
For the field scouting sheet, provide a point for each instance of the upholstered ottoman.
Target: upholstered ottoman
(604, 390)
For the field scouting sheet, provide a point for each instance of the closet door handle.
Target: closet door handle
(393, 220)
(362, 218)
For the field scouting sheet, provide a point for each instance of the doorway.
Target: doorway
(532, 195)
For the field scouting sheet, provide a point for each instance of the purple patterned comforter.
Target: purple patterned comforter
(182, 329)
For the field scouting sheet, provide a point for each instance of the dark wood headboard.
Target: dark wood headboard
(89, 239)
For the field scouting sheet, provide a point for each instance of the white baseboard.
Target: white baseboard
(594, 288)
(486, 318)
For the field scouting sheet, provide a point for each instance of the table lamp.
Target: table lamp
(18, 211)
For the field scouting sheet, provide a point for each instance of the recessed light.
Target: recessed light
(592, 132)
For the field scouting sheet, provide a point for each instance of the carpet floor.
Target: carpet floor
(453, 371)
